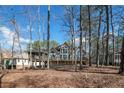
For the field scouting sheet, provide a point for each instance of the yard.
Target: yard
(89, 77)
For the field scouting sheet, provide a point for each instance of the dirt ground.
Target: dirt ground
(90, 77)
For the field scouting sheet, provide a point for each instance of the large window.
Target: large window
(65, 57)
(65, 50)
(60, 56)
(116, 57)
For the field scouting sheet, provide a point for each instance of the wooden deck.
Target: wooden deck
(66, 62)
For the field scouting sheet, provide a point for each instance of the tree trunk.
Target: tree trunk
(72, 46)
(81, 45)
(103, 48)
(1, 77)
(107, 36)
(75, 56)
(43, 33)
(13, 51)
(117, 47)
(86, 42)
(98, 36)
(30, 45)
(38, 13)
(48, 37)
(89, 35)
(121, 71)
(1, 56)
(18, 37)
(73, 42)
(70, 14)
(113, 38)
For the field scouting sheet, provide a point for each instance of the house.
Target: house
(54, 54)
(38, 57)
(84, 54)
(117, 58)
(5, 56)
(19, 61)
(63, 53)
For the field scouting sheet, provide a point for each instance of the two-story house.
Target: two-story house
(63, 52)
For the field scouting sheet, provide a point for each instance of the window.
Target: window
(64, 50)
(60, 56)
(116, 56)
(65, 57)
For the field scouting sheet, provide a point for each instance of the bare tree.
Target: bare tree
(1, 56)
(81, 45)
(72, 30)
(98, 35)
(30, 36)
(69, 23)
(121, 71)
(118, 45)
(13, 50)
(48, 37)
(38, 14)
(107, 35)
(103, 46)
(31, 20)
(89, 15)
(113, 36)
(17, 33)
(43, 32)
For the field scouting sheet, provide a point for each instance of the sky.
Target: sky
(19, 13)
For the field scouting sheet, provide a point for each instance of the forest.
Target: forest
(90, 36)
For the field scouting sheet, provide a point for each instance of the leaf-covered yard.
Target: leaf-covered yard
(88, 77)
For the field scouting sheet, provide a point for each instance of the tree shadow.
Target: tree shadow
(86, 69)
(1, 77)
(101, 72)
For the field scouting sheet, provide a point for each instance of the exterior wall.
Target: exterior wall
(36, 63)
(21, 66)
(24, 55)
(63, 55)
(117, 59)
(53, 56)
(78, 54)
(21, 62)
(4, 64)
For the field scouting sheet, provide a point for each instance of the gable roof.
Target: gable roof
(65, 44)
(36, 51)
